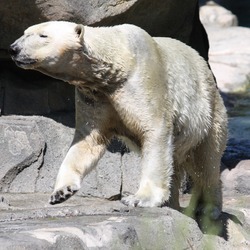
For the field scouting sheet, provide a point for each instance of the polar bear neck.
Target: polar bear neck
(100, 69)
(98, 74)
(104, 65)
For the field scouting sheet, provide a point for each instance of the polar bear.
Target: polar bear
(156, 94)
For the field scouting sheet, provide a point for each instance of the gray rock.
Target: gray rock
(105, 180)
(58, 139)
(4, 204)
(21, 145)
(26, 180)
(229, 54)
(131, 172)
(144, 13)
(101, 235)
(90, 223)
(27, 164)
(229, 57)
(236, 181)
(21, 242)
(33, 149)
(213, 14)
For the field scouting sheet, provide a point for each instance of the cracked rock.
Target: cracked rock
(21, 144)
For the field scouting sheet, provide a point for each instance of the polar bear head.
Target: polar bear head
(50, 47)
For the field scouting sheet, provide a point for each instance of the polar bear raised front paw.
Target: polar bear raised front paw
(61, 195)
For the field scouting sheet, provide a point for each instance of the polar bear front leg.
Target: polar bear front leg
(81, 158)
(157, 170)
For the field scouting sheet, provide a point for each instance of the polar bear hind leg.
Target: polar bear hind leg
(205, 171)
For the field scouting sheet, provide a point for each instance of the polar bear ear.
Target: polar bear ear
(79, 29)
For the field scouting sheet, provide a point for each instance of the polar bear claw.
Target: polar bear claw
(62, 194)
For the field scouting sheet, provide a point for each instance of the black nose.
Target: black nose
(14, 50)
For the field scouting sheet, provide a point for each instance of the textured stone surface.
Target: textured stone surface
(21, 146)
(34, 147)
(131, 172)
(58, 139)
(236, 180)
(230, 57)
(90, 223)
(161, 18)
(105, 180)
(229, 54)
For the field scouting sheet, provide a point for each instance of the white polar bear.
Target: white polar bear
(156, 94)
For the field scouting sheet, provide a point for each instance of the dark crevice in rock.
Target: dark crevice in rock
(13, 173)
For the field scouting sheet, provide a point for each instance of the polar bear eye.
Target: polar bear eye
(43, 36)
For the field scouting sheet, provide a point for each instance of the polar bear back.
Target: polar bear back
(162, 66)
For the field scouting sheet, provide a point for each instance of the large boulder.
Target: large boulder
(236, 180)
(229, 57)
(160, 18)
(21, 146)
(33, 148)
(229, 54)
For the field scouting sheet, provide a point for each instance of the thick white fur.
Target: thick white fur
(156, 94)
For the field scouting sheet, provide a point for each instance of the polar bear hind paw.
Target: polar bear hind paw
(61, 195)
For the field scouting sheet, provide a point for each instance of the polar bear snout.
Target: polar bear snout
(14, 50)
(19, 57)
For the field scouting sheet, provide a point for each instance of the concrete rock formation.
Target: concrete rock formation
(90, 223)
(33, 148)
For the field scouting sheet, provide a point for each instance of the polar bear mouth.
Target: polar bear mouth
(25, 62)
